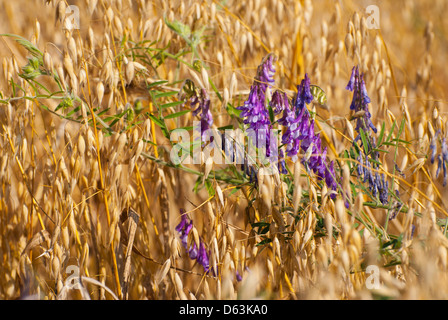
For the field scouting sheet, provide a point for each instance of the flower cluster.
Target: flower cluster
(299, 134)
(367, 166)
(199, 254)
(304, 95)
(442, 158)
(203, 109)
(254, 110)
(279, 101)
(360, 102)
(378, 184)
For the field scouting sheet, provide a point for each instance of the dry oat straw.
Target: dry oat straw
(89, 200)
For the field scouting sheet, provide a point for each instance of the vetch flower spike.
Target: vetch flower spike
(199, 254)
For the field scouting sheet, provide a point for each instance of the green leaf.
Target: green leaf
(177, 114)
(157, 83)
(391, 132)
(188, 128)
(230, 126)
(263, 242)
(181, 29)
(232, 111)
(26, 44)
(380, 138)
(165, 94)
(364, 141)
(210, 189)
(402, 141)
(157, 121)
(234, 190)
(271, 113)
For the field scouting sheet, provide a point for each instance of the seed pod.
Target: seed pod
(233, 85)
(266, 197)
(205, 79)
(48, 61)
(345, 260)
(68, 65)
(82, 76)
(196, 239)
(220, 58)
(349, 44)
(430, 129)
(71, 46)
(350, 130)
(129, 72)
(340, 210)
(162, 272)
(220, 195)
(435, 113)
(118, 26)
(60, 11)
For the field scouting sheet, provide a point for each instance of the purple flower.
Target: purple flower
(300, 135)
(203, 109)
(378, 186)
(254, 111)
(442, 158)
(239, 277)
(433, 146)
(330, 177)
(199, 254)
(304, 95)
(360, 103)
(351, 83)
(250, 171)
(279, 102)
(281, 163)
(291, 136)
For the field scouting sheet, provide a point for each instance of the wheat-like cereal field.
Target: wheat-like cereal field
(223, 150)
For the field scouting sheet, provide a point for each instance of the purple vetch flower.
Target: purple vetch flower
(250, 171)
(203, 257)
(317, 162)
(351, 83)
(254, 111)
(291, 136)
(304, 95)
(378, 185)
(281, 163)
(239, 277)
(330, 177)
(360, 165)
(307, 135)
(360, 103)
(300, 135)
(433, 146)
(442, 157)
(383, 190)
(279, 102)
(203, 110)
(199, 254)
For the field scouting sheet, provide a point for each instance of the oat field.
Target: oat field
(223, 150)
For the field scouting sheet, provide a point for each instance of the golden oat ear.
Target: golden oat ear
(38, 239)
